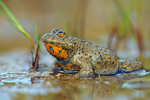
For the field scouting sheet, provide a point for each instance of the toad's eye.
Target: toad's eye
(54, 30)
(61, 33)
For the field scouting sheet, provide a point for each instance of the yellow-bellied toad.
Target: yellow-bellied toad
(85, 58)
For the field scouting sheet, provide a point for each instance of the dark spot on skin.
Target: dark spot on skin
(83, 41)
(60, 51)
(113, 62)
(90, 56)
(46, 42)
(51, 48)
(98, 62)
(104, 71)
(105, 63)
(101, 57)
(51, 42)
(72, 68)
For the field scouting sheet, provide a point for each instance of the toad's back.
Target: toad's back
(86, 58)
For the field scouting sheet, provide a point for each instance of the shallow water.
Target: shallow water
(16, 82)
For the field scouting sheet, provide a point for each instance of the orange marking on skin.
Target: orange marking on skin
(64, 67)
(56, 50)
(69, 67)
(61, 65)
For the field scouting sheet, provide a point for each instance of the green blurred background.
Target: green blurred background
(116, 24)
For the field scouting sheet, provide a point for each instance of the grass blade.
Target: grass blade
(37, 55)
(14, 22)
(21, 29)
(126, 14)
(99, 76)
(3, 14)
(37, 35)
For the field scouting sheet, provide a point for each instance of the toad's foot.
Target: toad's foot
(132, 64)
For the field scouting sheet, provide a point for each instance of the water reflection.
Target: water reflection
(16, 85)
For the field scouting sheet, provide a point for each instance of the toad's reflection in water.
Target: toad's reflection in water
(48, 87)
(86, 89)
(90, 89)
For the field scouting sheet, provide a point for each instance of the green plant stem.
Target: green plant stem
(37, 36)
(99, 76)
(17, 25)
(9, 20)
(15, 20)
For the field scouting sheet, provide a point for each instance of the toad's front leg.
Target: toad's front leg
(86, 69)
(68, 68)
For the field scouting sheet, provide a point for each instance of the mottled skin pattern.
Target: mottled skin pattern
(85, 58)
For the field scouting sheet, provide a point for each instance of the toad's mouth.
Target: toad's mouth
(47, 42)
